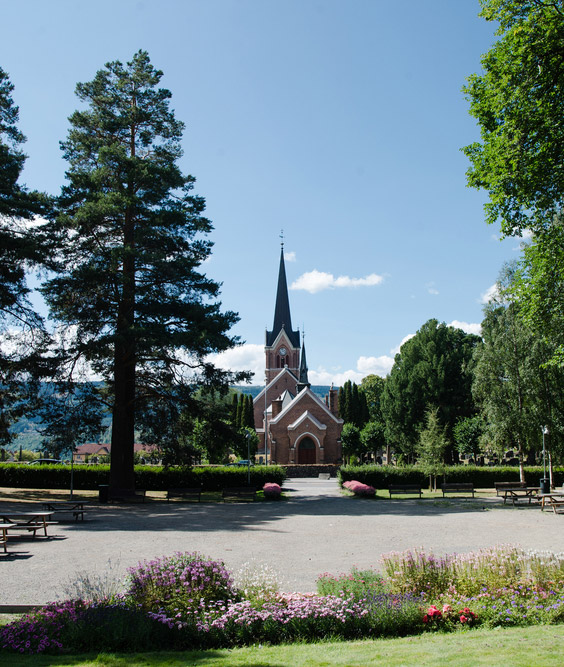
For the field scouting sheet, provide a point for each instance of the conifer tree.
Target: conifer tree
(22, 336)
(131, 241)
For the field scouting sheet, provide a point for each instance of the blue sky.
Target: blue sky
(339, 122)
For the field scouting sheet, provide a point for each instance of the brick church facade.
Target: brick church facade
(299, 426)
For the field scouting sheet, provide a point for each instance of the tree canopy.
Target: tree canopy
(131, 239)
(22, 336)
(432, 370)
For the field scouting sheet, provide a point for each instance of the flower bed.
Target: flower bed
(190, 601)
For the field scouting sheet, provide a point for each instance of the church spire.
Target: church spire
(304, 382)
(282, 318)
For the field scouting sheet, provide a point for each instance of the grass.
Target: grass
(518, 647)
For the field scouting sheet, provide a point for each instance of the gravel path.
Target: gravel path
(316, 530)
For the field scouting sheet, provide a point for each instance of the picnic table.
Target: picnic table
(30, 521)
(527, 492)
(555, 499)
(74, 507)
(4, 535)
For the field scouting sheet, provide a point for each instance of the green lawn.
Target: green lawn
(540, 646)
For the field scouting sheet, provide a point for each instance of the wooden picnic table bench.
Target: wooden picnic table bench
(555, 499)
(4, 535)
(238, 493)
(516, 493)
(184, 493)
(28, 521)
(458, 487)
(76, 508)
(404, 488)
(501, 486)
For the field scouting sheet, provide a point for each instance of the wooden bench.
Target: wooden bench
(127, 495)
(404, 488)
(66, 507)
(500, 487)
(184, 493)
(557, 504)
(458, 487)
(239, 493)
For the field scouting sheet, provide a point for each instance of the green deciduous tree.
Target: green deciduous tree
(517, 392)
(431, 447)
(131, 240)
(518, 101)
(468, 433)
(351, 442)
(432, 369)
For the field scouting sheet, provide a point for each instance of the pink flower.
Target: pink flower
(463, 619)
(447, 609)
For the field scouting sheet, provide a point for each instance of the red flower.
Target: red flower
(425, 619)
(463, 619)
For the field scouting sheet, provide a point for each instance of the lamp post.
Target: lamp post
(248, 435)
(544, 483)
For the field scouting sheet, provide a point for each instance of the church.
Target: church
(293, 424)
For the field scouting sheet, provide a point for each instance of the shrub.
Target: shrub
(272, 491)
(358, 584)
(359, 489)
(179, 583)
(257, 581)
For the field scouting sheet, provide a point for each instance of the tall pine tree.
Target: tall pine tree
(131, 236)
(21, 329)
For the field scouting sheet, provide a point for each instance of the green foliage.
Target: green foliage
(467, 434)
(517, 393)
(130, 235)
(23, 339)
(372, 387)
(373, 436)
(351, 441)
(151, 478)
(483, 477)
(353, 407)
(358, 584)
(434, 368)
(432, 444)
(518, 102)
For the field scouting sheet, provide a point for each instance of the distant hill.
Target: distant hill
(28, 435)
(320, 390)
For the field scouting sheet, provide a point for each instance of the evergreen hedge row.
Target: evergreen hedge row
(150, 478)
(483, 477)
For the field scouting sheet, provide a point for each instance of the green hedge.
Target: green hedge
(151, 478)
(483, 477)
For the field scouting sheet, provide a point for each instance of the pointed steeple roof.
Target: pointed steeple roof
(303, 381)
(282, 318)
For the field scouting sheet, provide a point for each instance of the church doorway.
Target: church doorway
(306, 451)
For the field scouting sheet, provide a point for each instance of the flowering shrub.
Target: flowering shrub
(467, 574)
(515, 606)
(41, 631)
(357, 584)
(436, 619)
(256, 581)
(272, 491)
(178, 583)
(359, 489)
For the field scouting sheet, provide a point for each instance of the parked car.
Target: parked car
(242, 462)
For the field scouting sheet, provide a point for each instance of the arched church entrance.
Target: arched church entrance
(306, 451)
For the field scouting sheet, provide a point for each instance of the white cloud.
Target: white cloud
(375, 365)
(317, 281)
(467, 327)
(290, 256)
(248, 357)
(433, 291)
(325, 377)
(489, 294)
(396, 350)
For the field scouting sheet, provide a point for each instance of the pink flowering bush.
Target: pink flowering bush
(359, 489)
(179, 582)
(272, 491)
